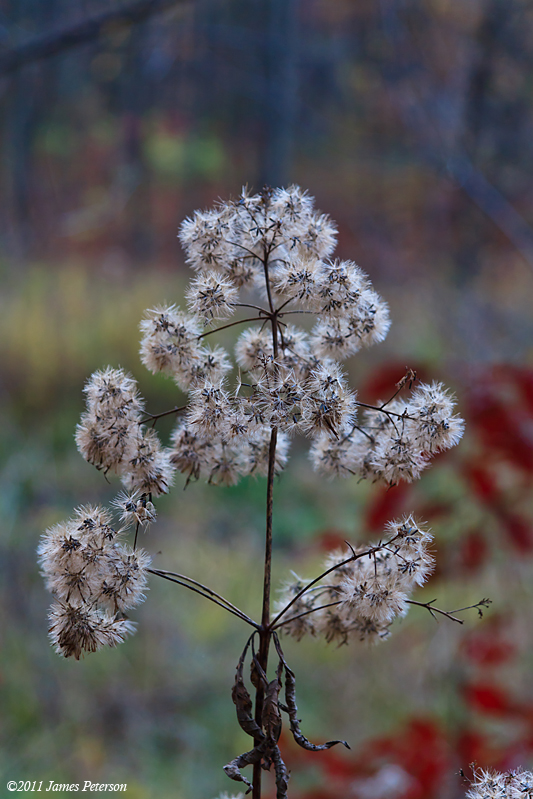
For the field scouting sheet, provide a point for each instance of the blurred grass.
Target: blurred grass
(156, 712)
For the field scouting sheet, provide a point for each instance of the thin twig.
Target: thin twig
(136, 534)
(232, 324)
(209, 590)
(306, 613)
(409, 377)
(239, 615)
(265, 630)
(155, 416)
(384, 410)
(242, 247)
(256, 307)
(281, 307)
(432, 609)
(356, 556)
(483, 603)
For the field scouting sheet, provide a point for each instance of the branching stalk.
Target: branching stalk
(209, 591)
(237, 613)
(355, 556)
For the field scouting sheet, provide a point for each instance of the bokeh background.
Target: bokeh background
(411, 122)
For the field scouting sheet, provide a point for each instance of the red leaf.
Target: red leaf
(474, 747)
(420, 749)
(474, 551)
(524, 379)
(489, 699)
(519, 531)
(331, 539)
(336, 766)
(482, 483)
(488, 648)
(503, 426)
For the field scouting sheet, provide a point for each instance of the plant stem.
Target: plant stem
(231, 324)
(207, 590)
(265, 632)
(239, 614)
(155, 416)
(356, 556)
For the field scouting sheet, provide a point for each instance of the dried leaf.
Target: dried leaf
(255, 677)
(243, 703)
(282, 774)
(247, 759)
(271, 715)
(292, 709)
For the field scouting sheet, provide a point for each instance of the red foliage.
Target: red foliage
(474, 551)
(519, 531)
(501, 408)
(497, 473)
(482, 482)
(488, 645)
(489, 699)
(331, 539)
(474, 747)
(420, 750)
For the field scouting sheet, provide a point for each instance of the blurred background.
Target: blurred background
(411, 122)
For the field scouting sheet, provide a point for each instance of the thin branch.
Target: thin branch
(268, 289)
(483, 603)
(305, 613)
(265, 629)
(288, 312)
(361, 430)
(58, 41)
(282, 306)
(355, 556)
(428, 605)
(239, 615)
(409, 377)
(209, 591)
(248, 250)
(232, 324)
(256, 307)
(136, 534)
(382, 409)
(432, 609)
(155, 416)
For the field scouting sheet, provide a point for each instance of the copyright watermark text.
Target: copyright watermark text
(27, 786)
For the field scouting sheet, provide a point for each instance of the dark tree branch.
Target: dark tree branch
(57, 41)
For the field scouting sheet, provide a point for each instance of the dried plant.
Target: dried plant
(276, 247)
(516, 784)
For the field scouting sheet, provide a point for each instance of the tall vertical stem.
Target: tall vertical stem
(265, 633)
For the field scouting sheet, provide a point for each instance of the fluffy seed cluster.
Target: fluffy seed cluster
(394, 442)
(94, 578)
(269, 256)
(516, 784)
(363, 591)
(233, 796)
(276, 245)
(111, 437)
